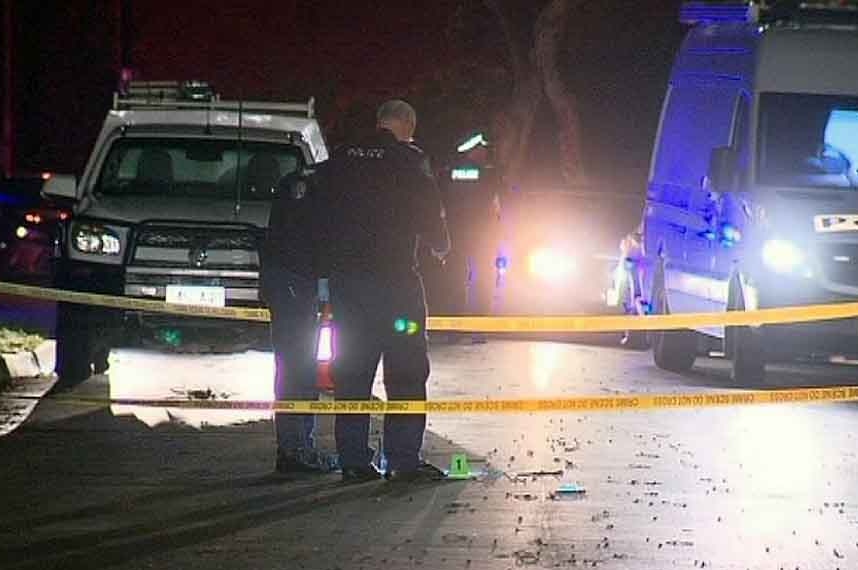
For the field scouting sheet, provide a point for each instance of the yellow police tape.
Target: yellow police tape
(522, 324)
(593, 404)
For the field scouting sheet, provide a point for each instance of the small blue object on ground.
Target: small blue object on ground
(571, 489)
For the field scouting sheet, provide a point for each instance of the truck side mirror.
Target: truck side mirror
(722, 169)
(61, 186)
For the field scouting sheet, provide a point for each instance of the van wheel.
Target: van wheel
(744, 347)
(675, 351)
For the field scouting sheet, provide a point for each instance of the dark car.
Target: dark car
(29, 229)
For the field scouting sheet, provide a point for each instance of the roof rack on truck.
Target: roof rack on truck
(199, 95)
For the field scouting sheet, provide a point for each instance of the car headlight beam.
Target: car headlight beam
(782, 256)
(551, 265)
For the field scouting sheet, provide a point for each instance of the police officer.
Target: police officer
(475, 219)
(287, 286)
(381, 205)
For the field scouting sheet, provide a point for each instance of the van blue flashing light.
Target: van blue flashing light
(694, 13)
(730, 235)
(477, 140)
(465, 174)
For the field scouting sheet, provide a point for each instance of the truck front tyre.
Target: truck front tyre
(674, 351)
(74, 346)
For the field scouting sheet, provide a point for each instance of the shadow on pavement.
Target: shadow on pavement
(715, 373)
(93, 490)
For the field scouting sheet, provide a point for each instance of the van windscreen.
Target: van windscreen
(808, 141)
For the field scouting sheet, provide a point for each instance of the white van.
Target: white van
(752, 199)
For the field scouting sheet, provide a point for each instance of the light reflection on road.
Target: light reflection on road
(152, 375)
(545, 358)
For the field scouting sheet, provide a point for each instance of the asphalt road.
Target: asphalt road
(732, 488)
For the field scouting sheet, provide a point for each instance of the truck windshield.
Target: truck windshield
(202, 168)
(808, 141)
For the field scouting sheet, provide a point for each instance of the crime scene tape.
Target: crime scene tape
(511, 324)
(133, 303)
(579, 404)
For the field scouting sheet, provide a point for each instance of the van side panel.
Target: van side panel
(712, 72)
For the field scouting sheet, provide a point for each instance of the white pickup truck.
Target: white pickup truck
(173, 205)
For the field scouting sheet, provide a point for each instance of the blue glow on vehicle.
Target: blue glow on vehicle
(730, 235)
(9, 200)
(693, 13)
(501, 263)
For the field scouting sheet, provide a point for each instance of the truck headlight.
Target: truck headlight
(96, 240)
(782, 256)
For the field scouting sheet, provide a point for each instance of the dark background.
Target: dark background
(446, 56)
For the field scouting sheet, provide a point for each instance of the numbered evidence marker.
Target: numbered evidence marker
(460, 468)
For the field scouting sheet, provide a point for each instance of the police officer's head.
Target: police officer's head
(398, 117)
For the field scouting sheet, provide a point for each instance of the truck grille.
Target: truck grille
(209, 247)
(200, 255)
(840, 263)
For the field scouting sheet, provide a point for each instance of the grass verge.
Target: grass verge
(15, 340)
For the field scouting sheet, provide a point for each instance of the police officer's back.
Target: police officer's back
(379, 196)
(380, 203)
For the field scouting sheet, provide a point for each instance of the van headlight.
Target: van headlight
(94, 239)
(551, 265)
(783, 256)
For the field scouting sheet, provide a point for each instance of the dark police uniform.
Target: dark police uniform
(380, 204)
(288, 286)
(474, 220)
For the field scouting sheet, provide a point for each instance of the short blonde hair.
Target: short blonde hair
(396, 109)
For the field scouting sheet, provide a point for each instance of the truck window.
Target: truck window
(196, 168)
(698, 118)
(808, 141)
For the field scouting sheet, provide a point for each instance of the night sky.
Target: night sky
(349, 55)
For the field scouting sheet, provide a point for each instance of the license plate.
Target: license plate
(197, 296)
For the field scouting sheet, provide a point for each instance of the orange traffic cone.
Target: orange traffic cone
(325, 350)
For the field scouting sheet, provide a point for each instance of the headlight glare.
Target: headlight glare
(551, 265)
(782, 256)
